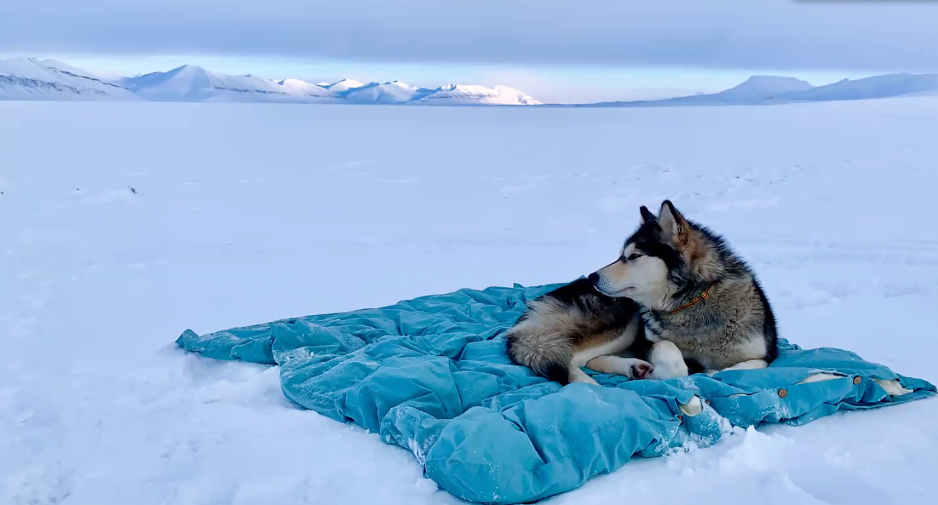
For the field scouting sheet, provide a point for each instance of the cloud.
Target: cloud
(752, 34)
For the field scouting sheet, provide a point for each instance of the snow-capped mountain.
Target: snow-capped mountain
(762, 87)
(191, 83)
(195, 84)
(94, 74)
(302, 88)
(395, 92)
(31, 79)
(755, 90)
(880, 86)
(768, 90)
(463, 94)
(343, 85)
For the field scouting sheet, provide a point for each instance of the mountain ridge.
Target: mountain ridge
(776, 90)
(34, 79)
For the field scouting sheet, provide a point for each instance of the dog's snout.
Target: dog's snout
(593, 277)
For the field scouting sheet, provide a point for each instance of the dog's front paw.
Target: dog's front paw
(642, 371)
(668, 361)
(669, 370)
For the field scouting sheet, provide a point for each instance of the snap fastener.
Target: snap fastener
(857, 380)
(782, 393)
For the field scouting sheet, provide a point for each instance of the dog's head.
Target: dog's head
(666, 252)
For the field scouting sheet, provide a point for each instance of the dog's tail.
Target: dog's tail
(540, 346)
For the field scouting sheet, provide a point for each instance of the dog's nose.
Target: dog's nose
(594, 277)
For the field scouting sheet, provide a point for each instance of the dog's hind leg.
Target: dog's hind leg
(578, 375)
(667, 360)
(753, 364)
(632, 368)
(606, 348)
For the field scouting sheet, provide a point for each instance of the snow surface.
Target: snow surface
(245, 213)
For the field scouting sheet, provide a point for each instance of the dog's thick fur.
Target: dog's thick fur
(677, 297)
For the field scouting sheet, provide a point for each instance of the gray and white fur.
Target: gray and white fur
(677, 301)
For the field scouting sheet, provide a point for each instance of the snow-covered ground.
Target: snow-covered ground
(246, 213)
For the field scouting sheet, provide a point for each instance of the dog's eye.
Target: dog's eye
(634, 256)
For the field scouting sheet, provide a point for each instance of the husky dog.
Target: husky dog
(677, 300)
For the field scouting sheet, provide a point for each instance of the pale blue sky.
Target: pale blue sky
(556, 50)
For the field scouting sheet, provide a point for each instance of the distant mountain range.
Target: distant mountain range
(32, 79)
(769, 90)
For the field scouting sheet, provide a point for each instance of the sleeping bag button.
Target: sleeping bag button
(782, 393)
(857, 380)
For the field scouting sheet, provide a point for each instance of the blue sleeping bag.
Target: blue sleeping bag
(431, 375)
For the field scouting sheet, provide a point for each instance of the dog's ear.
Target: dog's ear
(671, 221)
(647, 216)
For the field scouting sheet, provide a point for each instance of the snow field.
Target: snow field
(244, 213)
